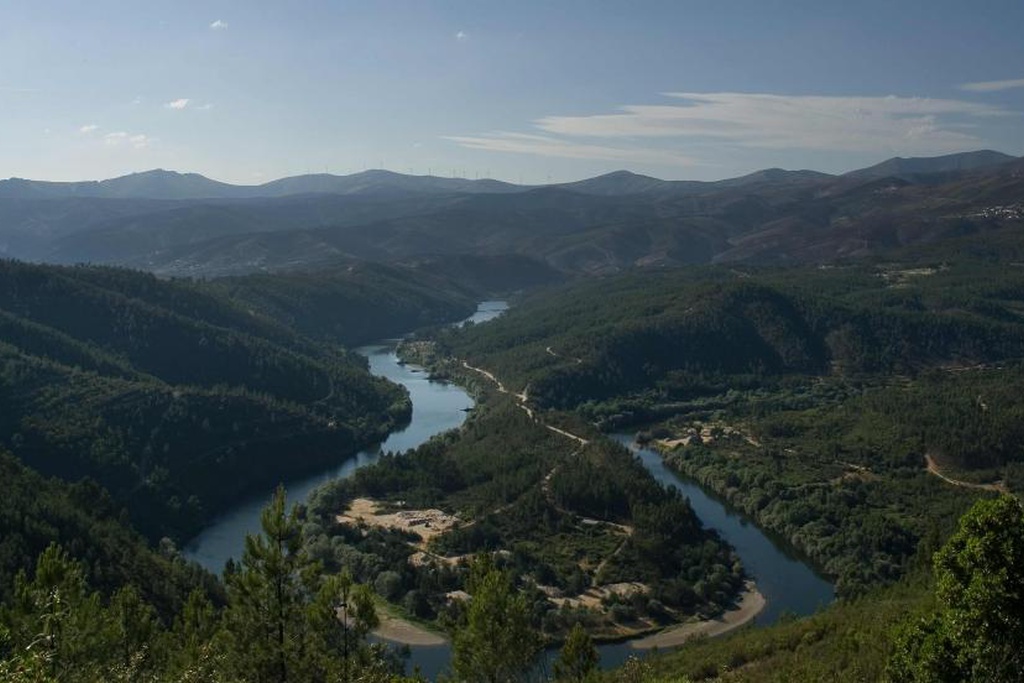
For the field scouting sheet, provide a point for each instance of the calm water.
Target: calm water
(486, 310)
(437, 407)
(787, 583)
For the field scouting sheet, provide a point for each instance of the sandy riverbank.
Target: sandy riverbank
(424, 523)
(401, 631)
(751, 604)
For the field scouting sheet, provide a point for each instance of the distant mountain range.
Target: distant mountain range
(170, 185)
(898, 167)
(161, 184)
(186, 224)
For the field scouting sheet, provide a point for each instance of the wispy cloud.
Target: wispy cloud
(993, 86)
(205, 107)
(90, 128)
(461, 35)
(136, 140)
(219, 25)
(781, 121)
(547, 146)
(885, 124)
(180, 103)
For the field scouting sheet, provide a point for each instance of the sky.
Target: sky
(522, 91)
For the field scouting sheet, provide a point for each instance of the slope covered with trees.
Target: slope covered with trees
(955, 617)
(87, 523)
(181, 397)
(187, 225)
(809, 398)
(277, 621)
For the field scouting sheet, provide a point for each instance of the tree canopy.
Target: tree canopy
(976, 633)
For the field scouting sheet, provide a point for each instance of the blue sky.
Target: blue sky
(521, 91)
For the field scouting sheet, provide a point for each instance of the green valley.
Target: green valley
(859, 406)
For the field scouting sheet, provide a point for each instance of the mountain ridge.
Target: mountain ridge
(164, 184)
(601, 225)
(904, 166)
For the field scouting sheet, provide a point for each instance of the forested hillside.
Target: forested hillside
(87, 523)
(354, 303)
(186, 225)
(678, 332)
(181, 397)
(809, 398)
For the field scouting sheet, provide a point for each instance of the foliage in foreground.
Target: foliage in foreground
(963, 621)
(283, 621)
(976, 632)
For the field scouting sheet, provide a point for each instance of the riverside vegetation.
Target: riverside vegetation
(590, 536)
(810, 397)
(807, 397)
(824, 402)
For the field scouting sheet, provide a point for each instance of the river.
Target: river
(787, 583)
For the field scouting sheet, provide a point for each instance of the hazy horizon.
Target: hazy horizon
(423, 175)
(532, 93)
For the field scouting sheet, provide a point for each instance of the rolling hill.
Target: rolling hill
(183, 224)
(181, 398)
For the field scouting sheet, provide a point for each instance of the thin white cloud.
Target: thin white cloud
(993, 86)
(877, 124)
(219, 25)
(180, 103)
(139, 141)
(90, 128)
(783, 121)
(547, 146)
(136, 140)
(461, 35)
(205, 107)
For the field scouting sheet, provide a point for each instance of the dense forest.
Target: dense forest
(808, 397)
(857, 411)
(590, 535)
(69, 618)
(87, 523)
(180, 399)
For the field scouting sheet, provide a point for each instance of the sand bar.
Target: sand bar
(751, 604)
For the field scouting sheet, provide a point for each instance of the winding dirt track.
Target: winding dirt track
(933, 468)
(522, 399)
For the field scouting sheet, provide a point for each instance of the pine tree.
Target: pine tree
(57, 624)
(578, 657)
(341, 616)
(266, 620)
(497, 643)
(135, 627)
(192, 641)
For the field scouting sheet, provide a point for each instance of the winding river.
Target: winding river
(788, 584)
